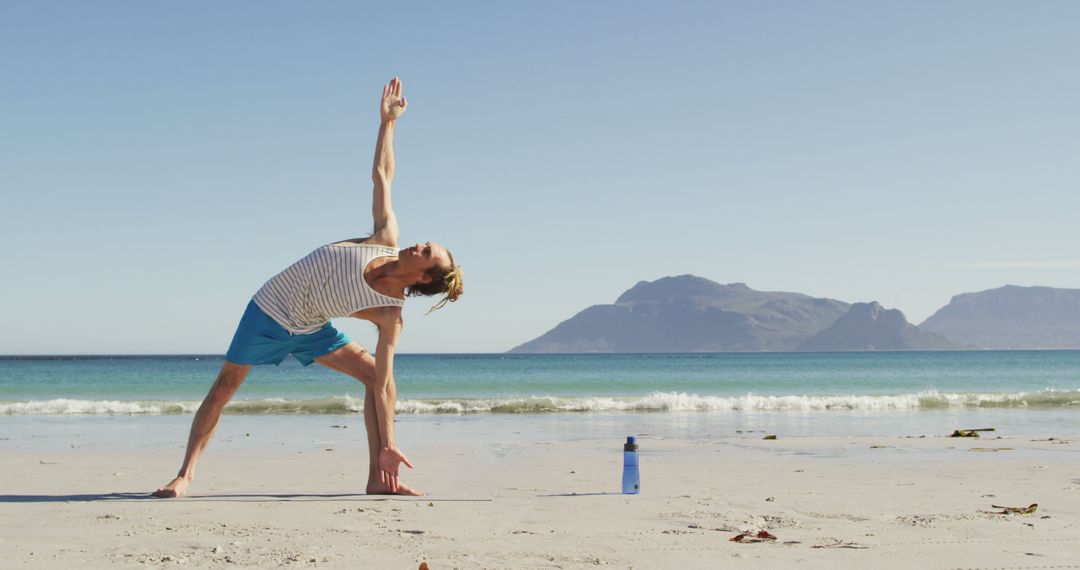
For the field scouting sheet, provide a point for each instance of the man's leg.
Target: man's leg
(204, 424)
(353, 360)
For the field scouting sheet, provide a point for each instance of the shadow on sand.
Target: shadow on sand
(248, 497)
(74, 498)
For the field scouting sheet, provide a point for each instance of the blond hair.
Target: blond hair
(447, 281)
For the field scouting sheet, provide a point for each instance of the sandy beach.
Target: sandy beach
(509, 501)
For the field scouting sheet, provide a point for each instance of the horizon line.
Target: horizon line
(36, 356)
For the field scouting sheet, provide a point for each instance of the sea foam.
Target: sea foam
(655, 402)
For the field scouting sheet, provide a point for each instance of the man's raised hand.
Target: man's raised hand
(393, 101)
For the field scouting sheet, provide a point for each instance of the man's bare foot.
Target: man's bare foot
(402, 489)
(176, 488)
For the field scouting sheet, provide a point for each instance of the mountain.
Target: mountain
(691, 314)
(1011, 317)
(869, 326)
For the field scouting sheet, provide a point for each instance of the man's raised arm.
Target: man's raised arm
(391, 107)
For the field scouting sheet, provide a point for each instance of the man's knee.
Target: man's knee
(365, 376)
(360, 365)
(229, 380)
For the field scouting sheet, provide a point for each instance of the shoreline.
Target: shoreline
(243, 431)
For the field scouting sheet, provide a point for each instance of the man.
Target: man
(366, 278)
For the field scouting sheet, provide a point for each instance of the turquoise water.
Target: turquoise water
(502, 383)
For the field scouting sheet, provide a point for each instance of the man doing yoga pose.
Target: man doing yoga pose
(367, 278)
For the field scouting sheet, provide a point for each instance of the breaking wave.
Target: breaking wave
(655, 402)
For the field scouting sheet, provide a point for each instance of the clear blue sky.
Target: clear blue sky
(160, 160)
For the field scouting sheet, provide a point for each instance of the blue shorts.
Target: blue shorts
(260, 340)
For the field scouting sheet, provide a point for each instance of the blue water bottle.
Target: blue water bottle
(631, 479)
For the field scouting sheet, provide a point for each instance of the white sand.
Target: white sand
(916, 503)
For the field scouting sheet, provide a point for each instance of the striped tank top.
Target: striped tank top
(327, 283)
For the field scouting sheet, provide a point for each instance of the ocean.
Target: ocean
(566, 396)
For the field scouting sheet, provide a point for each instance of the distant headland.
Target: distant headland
(687, 313)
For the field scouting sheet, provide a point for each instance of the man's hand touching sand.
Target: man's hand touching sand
(390, 458)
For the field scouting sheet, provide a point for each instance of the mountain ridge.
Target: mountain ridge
(1011, 317)
(687, 313)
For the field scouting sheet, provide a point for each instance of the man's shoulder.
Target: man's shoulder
(381, 239)
(381, 316)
